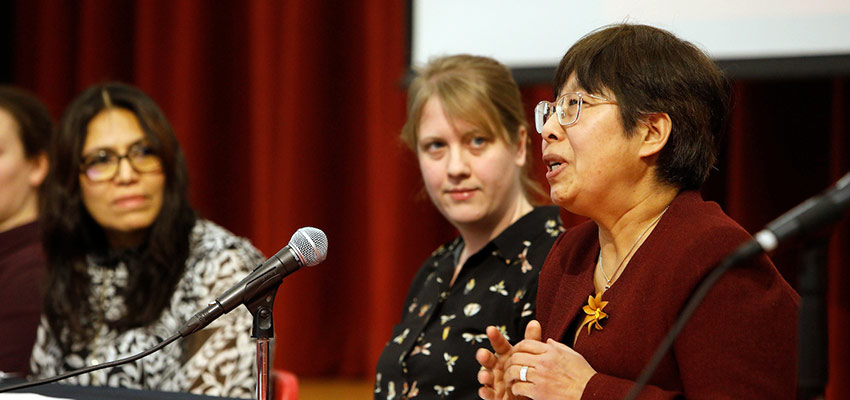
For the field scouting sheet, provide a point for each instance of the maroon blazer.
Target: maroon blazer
(740, 343)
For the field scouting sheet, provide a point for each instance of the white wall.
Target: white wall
(535, 33)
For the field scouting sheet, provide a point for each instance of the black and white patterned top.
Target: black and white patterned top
(218, 360)
(431, 354)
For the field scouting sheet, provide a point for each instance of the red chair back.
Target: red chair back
(284, 385)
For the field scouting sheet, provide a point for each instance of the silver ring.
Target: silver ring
(523, 373)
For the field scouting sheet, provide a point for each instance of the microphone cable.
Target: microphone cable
(744, 252)
(92, 368)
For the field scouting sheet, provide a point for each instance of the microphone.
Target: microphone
(809, 215)
(307, 247)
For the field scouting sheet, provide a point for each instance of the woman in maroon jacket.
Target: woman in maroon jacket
(632, 137)
(25, 126)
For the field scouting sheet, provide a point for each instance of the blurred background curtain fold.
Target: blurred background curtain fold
(289, 113)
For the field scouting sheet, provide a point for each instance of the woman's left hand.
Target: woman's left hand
(553, 371)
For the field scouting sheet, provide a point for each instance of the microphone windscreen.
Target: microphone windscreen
(310, 245)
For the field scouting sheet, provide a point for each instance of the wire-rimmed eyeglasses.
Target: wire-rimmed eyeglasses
(567, 108)
(102, 165)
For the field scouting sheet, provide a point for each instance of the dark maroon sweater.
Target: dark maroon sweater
(22, 269)
(739, 344)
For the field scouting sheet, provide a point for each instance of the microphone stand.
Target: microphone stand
(812, 366)
(263, 330)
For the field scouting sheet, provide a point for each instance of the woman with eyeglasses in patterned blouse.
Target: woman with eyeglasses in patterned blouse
(129, 262)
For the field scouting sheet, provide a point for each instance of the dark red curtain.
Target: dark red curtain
(289, 111)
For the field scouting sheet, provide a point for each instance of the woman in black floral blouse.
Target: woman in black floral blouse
(467, 127)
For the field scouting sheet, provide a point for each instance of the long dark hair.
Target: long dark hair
(34, 121)
(71, 234)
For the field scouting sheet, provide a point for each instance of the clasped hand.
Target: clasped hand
(554, 370)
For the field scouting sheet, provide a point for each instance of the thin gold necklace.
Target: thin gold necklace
(595, 305)
(622, 262)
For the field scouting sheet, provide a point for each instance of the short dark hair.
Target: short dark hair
(650, 70)
(34, 122)
(71, 234)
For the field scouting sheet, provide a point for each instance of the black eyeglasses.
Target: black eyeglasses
(102, 165)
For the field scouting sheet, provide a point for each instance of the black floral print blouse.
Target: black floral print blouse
(431, 354)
